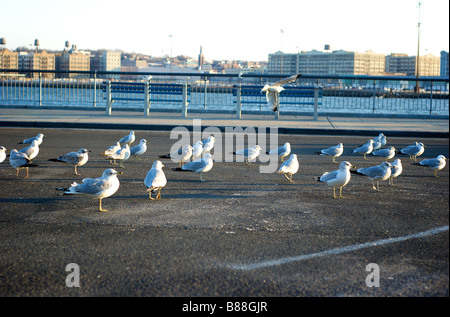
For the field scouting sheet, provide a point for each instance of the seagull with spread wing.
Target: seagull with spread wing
(273, 91)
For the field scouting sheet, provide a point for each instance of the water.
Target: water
(217, 100)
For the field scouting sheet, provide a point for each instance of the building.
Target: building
(327, 63)
(282, 63)
(105, 61)
(8, 59)
(443, 71)
(201, 58)
(73, 60)
(352, 63)
(37, 61)
(402, 63)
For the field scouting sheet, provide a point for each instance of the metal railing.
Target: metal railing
(386, 95)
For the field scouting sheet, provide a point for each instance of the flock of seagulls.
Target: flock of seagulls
(197, 159)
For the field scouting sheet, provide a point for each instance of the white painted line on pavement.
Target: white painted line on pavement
(263, 264)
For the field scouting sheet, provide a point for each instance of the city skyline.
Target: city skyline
(249, 30)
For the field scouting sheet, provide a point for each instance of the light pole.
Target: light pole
(170, 36)
(281, 52)
(418, 52)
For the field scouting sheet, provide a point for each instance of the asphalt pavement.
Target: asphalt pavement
(241, 233)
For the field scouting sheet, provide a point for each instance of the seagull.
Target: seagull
(38, 137)
(155, 179)
(122, 154)
(197, 150)
(387, 153)
(75, 158)
(376, 144)
(139, 149)
(273, 91)
(20, 160)
(182, 154)
(338, 178)
(396, 170)
(376, 173)
(434, 164)
(32, 150)
(201, 166)
(334, 151)
(250, 153)
(413, 150)
(128, 139)
(289, 167)
(2, 153)
(364, 149)
(282, 151)
(208, 144)
(111, 150)
(101, 187)
(381, 138)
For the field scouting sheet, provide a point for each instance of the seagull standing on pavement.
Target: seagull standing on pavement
(434, 164)
(32, 150)
(364, 149)
(413, 150)
(289, 167)
(334, 151)
(102, 187)
(338, 178)
(2, 153)
(208, 144)
(121, 154)
(197, 150)
(38, 137)
(249, 154)
(20, 160)
(155, 180)
(282, 151)
(128, 139)
(181, 155)
(376, 173)
(75, 158)
(387, 153)
(201, 166)
(396, 170)
(273, 91)
(140, 149)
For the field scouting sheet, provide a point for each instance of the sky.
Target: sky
(228, 30)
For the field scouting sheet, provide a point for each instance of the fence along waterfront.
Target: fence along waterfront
(387, 95)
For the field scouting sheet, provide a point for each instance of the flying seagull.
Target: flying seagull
(273, 91)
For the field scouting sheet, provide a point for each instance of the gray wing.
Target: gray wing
(72, 158)
(382, 152)
(329, 176)
(331, 151)
(194, 166)
(373, 171)
(286, 80)
(411, 149)
(430, 162)
(93, 185)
